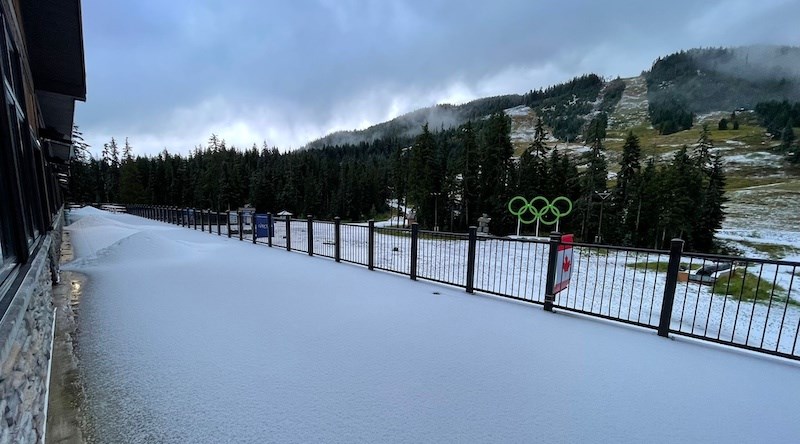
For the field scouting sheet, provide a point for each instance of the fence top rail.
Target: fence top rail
(511, 239)
(444, 234)
(727, 258)
(616, 247)
(355, 224)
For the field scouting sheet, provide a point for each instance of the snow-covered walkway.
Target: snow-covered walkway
(190, 337)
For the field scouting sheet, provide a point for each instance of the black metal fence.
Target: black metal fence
(742, 302)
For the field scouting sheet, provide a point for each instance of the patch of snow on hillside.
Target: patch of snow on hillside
(754, 158)
(520, 110)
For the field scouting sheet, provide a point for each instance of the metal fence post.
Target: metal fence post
(473, 244)
(228, 215)
(194, 217)
(371, 245)
(549, 296)
(269, 229)
(288, 234)
(337, 239)
(219, 224)
(254, 226)
(203, 221)
(240, 217)
(414, 242)
(675, 250)
(310, 235)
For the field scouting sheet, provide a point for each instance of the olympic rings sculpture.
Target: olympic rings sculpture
(528, 213)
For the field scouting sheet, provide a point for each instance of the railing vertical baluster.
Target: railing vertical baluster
(675, 250)
(371, 245)
(414, 245)
(240, 220)
(288, 234)
(310, 233)
(194, 217)
(219, 223)
(254, 225)
(228, 222)
(337, 239)
(473, 243)
(270, 232)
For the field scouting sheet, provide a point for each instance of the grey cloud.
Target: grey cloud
(288, 71)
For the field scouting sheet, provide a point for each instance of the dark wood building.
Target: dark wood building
(43, 74)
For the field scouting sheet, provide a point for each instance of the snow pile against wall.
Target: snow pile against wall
(189, 337)
(25, 337)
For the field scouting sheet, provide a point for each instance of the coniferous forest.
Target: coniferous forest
(456, 174)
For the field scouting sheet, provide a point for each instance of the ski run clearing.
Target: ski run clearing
(189, 337)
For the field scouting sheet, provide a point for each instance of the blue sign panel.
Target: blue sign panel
(264, 225)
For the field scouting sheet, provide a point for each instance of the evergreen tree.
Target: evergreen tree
(131, 189)
(626, 193)
(424, 177)
(470, 174)
(594, 178)
(712, 211)
(533, 172)
(787, 137)
(682, 188)
(82, 187)
(702, 150)
(496, 172)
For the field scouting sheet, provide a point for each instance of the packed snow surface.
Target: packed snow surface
(191, 337)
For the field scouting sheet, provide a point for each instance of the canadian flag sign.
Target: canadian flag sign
(563, 264)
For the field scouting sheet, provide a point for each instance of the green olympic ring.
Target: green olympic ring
(538, 215)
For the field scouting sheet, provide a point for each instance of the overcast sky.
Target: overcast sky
(168, 74)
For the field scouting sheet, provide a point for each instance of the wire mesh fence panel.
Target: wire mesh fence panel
(442, 257)
(324, 239)
(514, 268)
(355, 243)
(393, 250)
(616, 283)
(299, 229)
(279, 236)
(217, 223)
(749, 303)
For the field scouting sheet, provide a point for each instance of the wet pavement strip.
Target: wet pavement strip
(65, 422)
